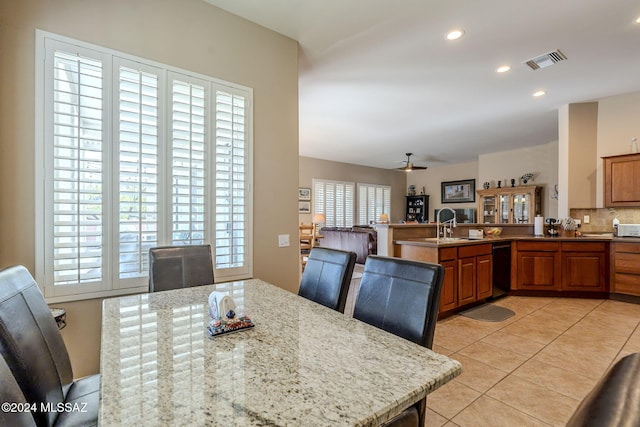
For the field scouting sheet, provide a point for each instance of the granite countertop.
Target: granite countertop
(302, 364)
(432, 241)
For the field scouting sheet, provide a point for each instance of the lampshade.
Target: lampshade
(319, 218)
(384, 218)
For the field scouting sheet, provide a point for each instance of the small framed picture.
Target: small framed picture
(304, 194)
(304, 207)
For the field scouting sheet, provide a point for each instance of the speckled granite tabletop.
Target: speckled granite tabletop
(301, 365)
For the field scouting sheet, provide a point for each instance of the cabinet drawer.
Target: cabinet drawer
(583, 246)
(539, 246)
(628, 284)
(473, 250)
(446, 254)
(626, 263)
(627, 247)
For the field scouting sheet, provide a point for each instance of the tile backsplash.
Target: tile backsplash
(601, 220)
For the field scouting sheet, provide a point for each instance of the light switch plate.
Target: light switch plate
(283, 240)
(586, 219)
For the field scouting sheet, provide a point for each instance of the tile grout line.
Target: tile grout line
(508, 374)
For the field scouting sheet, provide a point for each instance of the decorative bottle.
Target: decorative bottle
(634, 145)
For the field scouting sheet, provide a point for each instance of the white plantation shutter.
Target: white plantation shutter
(232, 219)
(335, 199)
(134, 154)
(373, 200)
(75, 228)
(189, 160)
(138, 162)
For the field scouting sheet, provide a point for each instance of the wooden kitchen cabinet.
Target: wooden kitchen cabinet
(466, 280)
(537, 266)
(561, 266)
(509, 205)
(474, 273)
(449, 295)
(584, 266)
(468, 271)
(622, 180)
(625, 268)
(484, 278)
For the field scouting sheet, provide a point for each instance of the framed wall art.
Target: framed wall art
(304, 207)
(304, 194)
(463, 191)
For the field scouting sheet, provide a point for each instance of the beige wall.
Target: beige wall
(582, 154)
(189, 34)
(618, 122)
(541, 160)
(324, 169)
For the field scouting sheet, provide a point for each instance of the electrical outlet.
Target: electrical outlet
(586, 219)
(283, 240)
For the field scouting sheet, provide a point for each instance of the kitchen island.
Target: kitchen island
(587, 267)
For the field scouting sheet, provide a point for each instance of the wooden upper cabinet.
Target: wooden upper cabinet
(622, 180)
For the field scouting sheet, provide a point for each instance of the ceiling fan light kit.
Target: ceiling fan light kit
(409, 166)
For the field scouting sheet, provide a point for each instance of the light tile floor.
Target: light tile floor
(532, 369)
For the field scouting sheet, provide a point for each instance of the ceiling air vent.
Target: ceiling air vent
(546, 60)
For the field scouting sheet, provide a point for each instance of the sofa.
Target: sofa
(363, 240)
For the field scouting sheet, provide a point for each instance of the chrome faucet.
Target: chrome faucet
(451, 222)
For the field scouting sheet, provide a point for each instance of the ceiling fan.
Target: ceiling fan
(408, 167)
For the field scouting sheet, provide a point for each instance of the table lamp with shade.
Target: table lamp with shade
(384, 219)
(318, 220)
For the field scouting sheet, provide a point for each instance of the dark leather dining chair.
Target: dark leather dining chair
(10, 393)
(32, 347)
(175, 267)
(402, 297)
(615, 399)
(327, 276)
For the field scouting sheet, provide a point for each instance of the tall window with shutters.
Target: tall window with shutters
(373, 200)
(335, 199)
(134, 154)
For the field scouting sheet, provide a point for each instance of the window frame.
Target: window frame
(364, 210)
(107, 286)
(332, 217)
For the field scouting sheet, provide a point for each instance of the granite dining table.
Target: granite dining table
(301, 365)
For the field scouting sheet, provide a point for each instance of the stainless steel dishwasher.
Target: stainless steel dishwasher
(501, 268)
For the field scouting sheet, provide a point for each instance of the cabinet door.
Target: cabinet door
(522, 208)
(504, 209)
(487, 212)
(448, 297)
(583, 271)
(538, 271)
(622, 180)
(484, 278)
(466, 280)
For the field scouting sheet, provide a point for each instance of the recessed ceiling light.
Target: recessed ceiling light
(455, 34)
(503, 69)
(539, 93)
(638, 20)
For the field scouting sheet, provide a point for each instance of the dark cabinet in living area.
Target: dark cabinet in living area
(417, 208)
